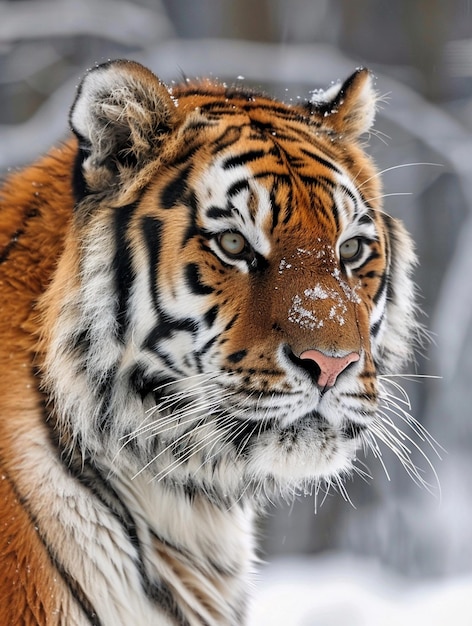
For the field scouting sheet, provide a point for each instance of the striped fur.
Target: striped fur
(162, 275)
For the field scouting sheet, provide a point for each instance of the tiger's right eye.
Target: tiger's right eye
(233, 244)
(350, 249)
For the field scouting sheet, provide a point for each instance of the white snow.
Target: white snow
(298, 314)
(337, 590)
(317, 293)
(284, 265)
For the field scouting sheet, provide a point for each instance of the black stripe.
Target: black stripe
(230, 136)
(252, 101)
(175, 190)
(270, 174)
(31, 213)
(217, 108)
(166, 327)
(203, 351)
(215, 212)
(165, 358)
(329, 214)
(243, 158)
(11, 244)
(381, 289)
(237, 186)
(327, 184)
(290, 206)
(79, 186)
(196, 125)
(210, 316)
(374, 331)
(391, 244)
(319, 159)
(141, 384)
(231, 323)
(122, 266)
(352, 430)
(258, 263)
(194, 281)
(365, 395)
(245, 432)
(192, 229)
(275, 209)
(80, 343)
(237, 356)
(152, 231)
(103, 383)
(365, 219)
(317, 183)
(334, 213)
(350, 195)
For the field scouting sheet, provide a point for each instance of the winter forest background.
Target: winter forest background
(397, 553)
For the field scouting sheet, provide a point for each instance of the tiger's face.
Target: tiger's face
(239, 289)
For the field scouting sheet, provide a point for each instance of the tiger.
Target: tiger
(200, 295)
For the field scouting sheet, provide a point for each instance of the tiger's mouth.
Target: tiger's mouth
(249, 431)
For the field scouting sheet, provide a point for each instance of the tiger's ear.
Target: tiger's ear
(348, 108)
(121, 115)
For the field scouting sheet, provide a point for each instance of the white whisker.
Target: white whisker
(160, 425)
(373, 446)
(193, 449)
(389, 195)
(166, 405)
(391, 403)
(340, 486)
(396, 440)
(383, 137)
(172, 444)
(227, 423)
(396, 167)
(363, 472)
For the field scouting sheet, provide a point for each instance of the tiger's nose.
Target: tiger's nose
(329, 366)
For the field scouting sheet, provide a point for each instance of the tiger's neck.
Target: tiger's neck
(192, 554)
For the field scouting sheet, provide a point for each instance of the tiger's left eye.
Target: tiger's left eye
(350, 249)
(233, 244)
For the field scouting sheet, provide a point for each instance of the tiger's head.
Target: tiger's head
(230, 289)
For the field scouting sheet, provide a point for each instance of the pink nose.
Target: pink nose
(330, 366)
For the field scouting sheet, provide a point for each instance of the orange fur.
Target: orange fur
(35, 207)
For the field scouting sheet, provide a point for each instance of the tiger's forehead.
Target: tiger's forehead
(256, 183)
(237, 115)
(290, 142)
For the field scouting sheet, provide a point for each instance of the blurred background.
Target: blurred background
(396, 553)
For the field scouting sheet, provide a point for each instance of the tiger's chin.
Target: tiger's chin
(309, 450)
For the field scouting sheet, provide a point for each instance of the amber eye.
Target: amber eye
(233, 244)
(350, 249)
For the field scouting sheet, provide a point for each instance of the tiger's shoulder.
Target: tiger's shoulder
(35, 209)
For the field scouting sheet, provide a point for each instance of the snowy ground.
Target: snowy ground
(343, 591)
